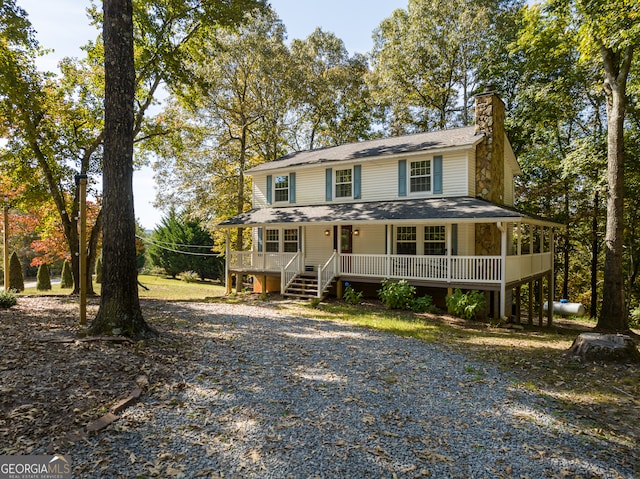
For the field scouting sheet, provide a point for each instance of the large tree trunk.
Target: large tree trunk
(613, 316)
(119, 311)
(595, 251)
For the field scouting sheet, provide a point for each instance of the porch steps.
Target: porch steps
(304, 285)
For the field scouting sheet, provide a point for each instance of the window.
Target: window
(281, 185)
(272, 241)
(420, 176)
(344, 184)
(406, 240)
(290, 241)
(434, 240)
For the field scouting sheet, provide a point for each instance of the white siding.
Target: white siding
(318, 247)
(259, 199)
(380, 180)
(508, 186)
(471, 177)
(371, 239)
(466, 239)
(310, 186)
(454, 174)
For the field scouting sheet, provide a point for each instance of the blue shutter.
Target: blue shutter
(269, 189)
(437, 174)
(402, 178)
(454, 240)
(292, 187)
(329, 185)
(357, 181)
(260, 240)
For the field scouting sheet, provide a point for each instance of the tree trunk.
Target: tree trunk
(613, 316)
(595, 250)
(119, 311)
(566, 247)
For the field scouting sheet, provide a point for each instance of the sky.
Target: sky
(63, 26)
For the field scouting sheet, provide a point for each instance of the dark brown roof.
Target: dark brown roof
(458, 209)
(381, 147)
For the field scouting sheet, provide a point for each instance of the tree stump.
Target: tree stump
(604, 347)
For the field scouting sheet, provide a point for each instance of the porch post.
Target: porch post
(389, 235)
(552, 276)
(447, 235)
(503, 269)
(519, 233)
(227, 254)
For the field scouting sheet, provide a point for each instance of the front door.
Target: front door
(346, 245)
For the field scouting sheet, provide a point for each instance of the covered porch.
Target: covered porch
(446, 243)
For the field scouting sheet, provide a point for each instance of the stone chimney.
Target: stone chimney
(489, 166)
(490, 153)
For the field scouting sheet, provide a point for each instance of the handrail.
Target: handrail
(287, 273)
(325, 274)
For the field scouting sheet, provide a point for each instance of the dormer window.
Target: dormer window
(344, 183)
(281, 188)
(420, 176)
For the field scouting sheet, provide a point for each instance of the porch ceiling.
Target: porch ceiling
(458, 210)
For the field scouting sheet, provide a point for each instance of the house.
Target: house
(433, 208)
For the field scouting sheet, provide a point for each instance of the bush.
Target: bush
(397, 295)
(99, 270)
(7, 299)
(466, 305)
(43, 278)
(352, 296)
(634, 318)
(66, 280)
(423, 304)
(16, 279)
(189, 277)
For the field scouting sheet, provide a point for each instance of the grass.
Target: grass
(159, 288)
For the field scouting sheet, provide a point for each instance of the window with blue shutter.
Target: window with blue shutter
(329, 185)
(357, 182)
(292, 187)
(269, 189)
(402, 178)
(437, 174)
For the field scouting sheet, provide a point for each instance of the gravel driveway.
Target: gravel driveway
(276, 396)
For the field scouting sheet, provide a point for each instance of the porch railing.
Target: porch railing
(523, 266)
(259, 261)
(327, 272)
(435, 268)
(288, 272)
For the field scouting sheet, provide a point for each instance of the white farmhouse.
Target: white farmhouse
(433, 208)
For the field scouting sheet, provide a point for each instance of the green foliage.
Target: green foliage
(66, 277)
(315, 303)
(466, 305)
(179, 244)
(397, 294)
(423, 304)
(99, 270)
(634, 317)
(43, 278)
(16, 279)
(352, 296)
(189, 277)
(7, 299)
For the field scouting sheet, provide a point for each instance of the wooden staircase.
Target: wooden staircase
(305, 285)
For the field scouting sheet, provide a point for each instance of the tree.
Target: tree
(66, 276)
(180, 245)
(16, 278)
(119, 311)
(613, 29)
(43, 278)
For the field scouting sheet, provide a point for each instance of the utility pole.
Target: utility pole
(5, 211)
(81, 182)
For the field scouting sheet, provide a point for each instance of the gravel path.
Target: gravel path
(276, 396)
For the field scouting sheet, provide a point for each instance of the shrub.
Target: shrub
(466, 305)
(43, 278)
(99, 270)
(423, 304)
(16, 279)
(189, 276)
(396, 295)
(352, 296)
(7, 299)
(634, 318)
(66, 279)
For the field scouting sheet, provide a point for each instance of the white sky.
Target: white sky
(62, 25)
